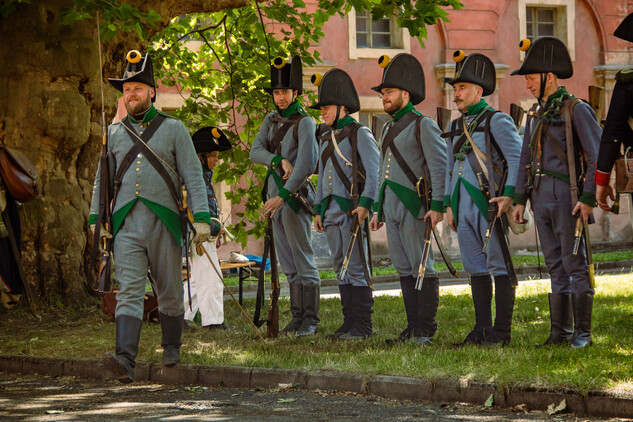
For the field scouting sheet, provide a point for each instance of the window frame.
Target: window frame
(399, 36)
(563, 26)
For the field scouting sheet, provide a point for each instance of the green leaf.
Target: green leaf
(489, 402)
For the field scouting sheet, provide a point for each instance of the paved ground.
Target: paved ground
(38, 398)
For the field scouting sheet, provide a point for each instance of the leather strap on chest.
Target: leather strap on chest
(388, 144)
(274, 145)
(349, 132)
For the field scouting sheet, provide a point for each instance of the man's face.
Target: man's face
(466, 94)
(137, 97)
(533, 83)
(283, 97)
(328, 114)
(393, 99)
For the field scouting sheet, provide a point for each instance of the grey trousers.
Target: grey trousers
(552, 213)
(142, 243)
(292, 232)
(337, 227)
(405, 237)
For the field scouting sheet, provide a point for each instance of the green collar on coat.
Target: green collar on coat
(292, 109)
(341, 123)
(404, 111)
(148, 117)
(474, 109)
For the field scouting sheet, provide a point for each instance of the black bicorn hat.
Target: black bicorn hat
(476, 69)
(286, 75)
(336, 88)
(624, 31)
(405, 72)
(210, 138)
(545, 55)
(137, 69)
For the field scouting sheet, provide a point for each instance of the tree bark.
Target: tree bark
(51, 111)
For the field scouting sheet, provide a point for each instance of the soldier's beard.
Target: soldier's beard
(139, 108)
(396, 104)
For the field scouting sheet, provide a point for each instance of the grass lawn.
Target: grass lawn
(608, 364)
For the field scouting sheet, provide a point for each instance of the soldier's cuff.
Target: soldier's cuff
(92, 219)
(589, 199)
(202, 217)
(375, 207)
(366, 202)
(447, 201)
(437, 206)
(520, 198)
(602, 178)
(284, 194)
(508, 191)
(317, 209)
(275, 162)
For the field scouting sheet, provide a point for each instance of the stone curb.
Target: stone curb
(597, 403)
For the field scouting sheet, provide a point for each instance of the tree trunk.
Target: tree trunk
(51, 111)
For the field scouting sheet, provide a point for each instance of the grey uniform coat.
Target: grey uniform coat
(398, 202)
(463, 194)
(292, 228)
(334, 201)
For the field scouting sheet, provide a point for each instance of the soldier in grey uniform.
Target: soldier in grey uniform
(348, 177)
(480, 140)
(412, 153)
(544, 171)
(287, 145)
(146, 213)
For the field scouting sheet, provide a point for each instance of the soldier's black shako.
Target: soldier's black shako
(336, 88)
(209, 139)
(476, 69)
(405, 72)
(545, 55)
(286, 75)
(137, 69)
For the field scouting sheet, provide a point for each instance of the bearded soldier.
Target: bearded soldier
(348, 177)
(483, 156)
(561, 129)
(412, 155)
(149, 153)
(286, 144)
(617, 130)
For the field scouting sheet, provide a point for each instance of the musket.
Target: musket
(350, 248)
(493, 210)
(273, 311)
(428, 230)
(443, 118)
(103, 243)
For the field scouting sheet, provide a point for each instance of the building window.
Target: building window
(555, 18)
(369, 39)
(540, 22)
(372, 34)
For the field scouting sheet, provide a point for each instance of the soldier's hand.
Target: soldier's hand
(450, 219)
(361, 212)
(272, 205)
(503, 202)
(517, 214)
(318, 224)
(435, 217)
(602, 194)
(584, 209)
(203, 231)
(374, 224)
(287, 168)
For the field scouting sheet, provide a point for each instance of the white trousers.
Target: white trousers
(206, 288)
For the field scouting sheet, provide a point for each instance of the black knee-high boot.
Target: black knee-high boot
(583, 305)
(427, 302)
(311, 300)
(504, 303)
(362, 303)
(407, 284)
(481, 289)
(296, 308)
(171, 327)
(121, 364)
(348, 312)
(561, 318)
